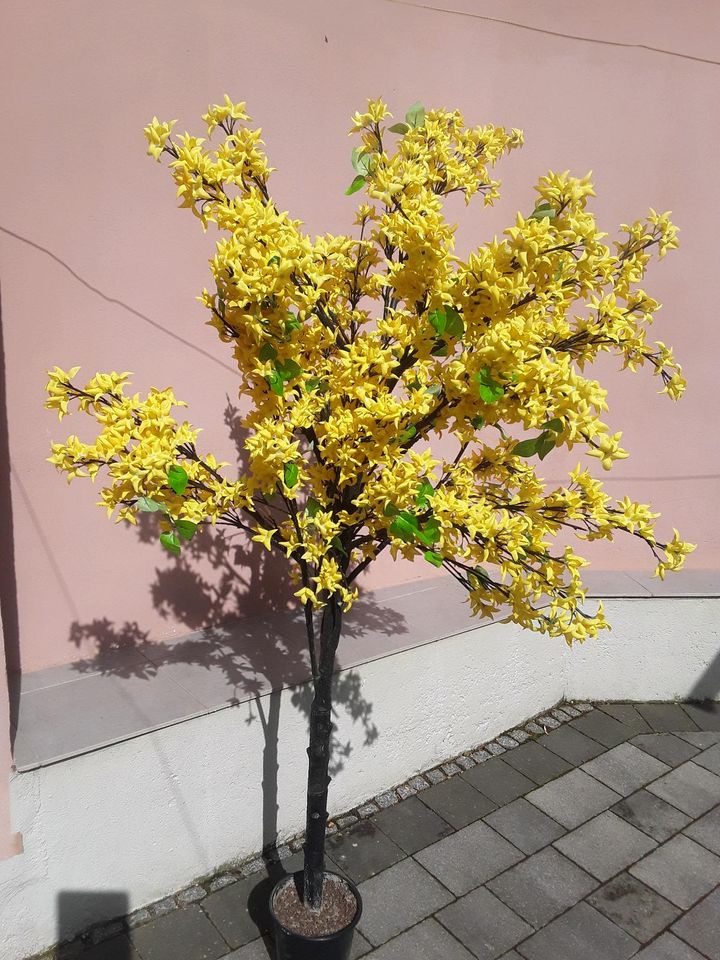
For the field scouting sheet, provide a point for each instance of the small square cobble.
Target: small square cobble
(706, 831)
(469, 857)
(636, 908)
(426, 941)
(484, 924)
(690, 788)
(363, 850)
(524, 825)
(603, 728)
(573, 798)
(652, 815)
(500, 782)
(665, 717)
(701, 926)
(239, 911)
(625, 769)
(605, 845)
(580, 934)
(397, 899)
(668, 947)
(457, 802)
(537, 763)
(412, 825)
(627, 714)
(710, 759)
(706, 715)
(571, 745)
(186, 933)
(667, 747)
(680, 870)
(542, 887)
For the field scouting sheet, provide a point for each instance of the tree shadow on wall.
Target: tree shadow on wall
(230, 658)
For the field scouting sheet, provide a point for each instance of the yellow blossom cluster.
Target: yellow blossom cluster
(357, 350)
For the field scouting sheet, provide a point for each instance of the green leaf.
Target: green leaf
(408, 434)
(543, 210)
(287, 369)
(434, 558)
(274, 259)
(430, 532)
(178, 479)
(440, 349)
(361, 161)
(435, 389)
(292, 323)
(454, 325)
(148, 505)
(267, 352)
(526, 448)
(312, 507)
(337, 543)
(405, 526)
(186, 529)
(416, 115)
(390, 510)
(480, 575)
(399, 128)
(275, 382)
(170, 542)
(357, 184)
(556, 425)
(438, 320)
(490, 390)
(478, 422)
(545, 443)
(290, 474)
(426, 490)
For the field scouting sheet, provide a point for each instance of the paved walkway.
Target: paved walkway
(598, 840)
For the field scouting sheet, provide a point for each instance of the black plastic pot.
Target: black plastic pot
(295, 946)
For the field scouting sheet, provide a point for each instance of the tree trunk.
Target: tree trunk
(319, 756)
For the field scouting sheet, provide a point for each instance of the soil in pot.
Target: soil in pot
(339, 907)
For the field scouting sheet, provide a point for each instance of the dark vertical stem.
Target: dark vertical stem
(319, 756)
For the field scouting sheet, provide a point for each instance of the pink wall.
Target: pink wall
(101, 269)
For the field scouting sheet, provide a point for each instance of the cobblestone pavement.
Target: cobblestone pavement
(598, 839)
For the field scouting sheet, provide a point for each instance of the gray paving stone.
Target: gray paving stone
(397, 899)
(119, 948)
(524, 825)
(636, 908)
(457, 802)
(573, 798)
(498, 780)
(427, 941)
(185, 933)
(603, 728)
(537, 763)
(543, 886)
(363, 850)
(360, 946)
(701, 926)
(710, 759)
(605, 845)
(652, 815)
(668, 947)
(412, 825)
(690, 788)
(257, 950)
(665, 717)
(680, 870)
(706, 831)
(239, 911)
(511, 956)
(580, 934)
(627, 714)
(625, 768)
(571, 745)
(666, 747)
(469, 857)
(706, 715)
(702, 738)
(484, 924)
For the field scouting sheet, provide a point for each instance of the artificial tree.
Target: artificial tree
(354, 350)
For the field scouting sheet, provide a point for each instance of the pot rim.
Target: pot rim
(326, 937)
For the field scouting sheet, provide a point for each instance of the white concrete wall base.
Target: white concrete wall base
(149, 815)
